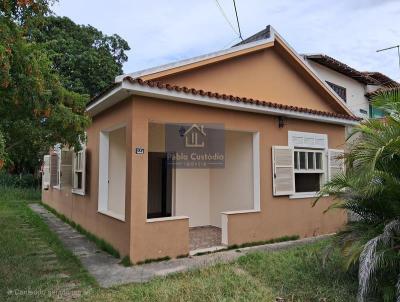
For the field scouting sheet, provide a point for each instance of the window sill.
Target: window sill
(57, 187)
(240, 212)
(150, 220)
(304, 195)
(112, 214)
(78, 192)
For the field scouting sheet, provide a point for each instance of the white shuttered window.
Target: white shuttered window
(46, 172)
(283, 167)
(79, 172)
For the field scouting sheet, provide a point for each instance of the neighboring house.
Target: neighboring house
(354, 87)
(284, 128)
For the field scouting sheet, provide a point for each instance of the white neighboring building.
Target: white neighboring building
(351, 85)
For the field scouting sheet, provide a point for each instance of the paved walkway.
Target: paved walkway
(106, 270)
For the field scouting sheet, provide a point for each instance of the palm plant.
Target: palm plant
(370, 189)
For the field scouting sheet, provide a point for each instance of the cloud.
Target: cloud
(163, 31)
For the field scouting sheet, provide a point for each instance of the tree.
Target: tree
(36, 111)
(86, 59)
(370, 188)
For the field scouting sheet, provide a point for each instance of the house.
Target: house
(354, 87)
(282, 128)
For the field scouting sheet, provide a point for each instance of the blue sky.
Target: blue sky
(160, 32)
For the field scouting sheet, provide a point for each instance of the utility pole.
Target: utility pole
(388, 48)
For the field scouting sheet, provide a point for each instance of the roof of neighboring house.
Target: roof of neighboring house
(368, 78)
(381, 78)
(224, 97)
(371, 94)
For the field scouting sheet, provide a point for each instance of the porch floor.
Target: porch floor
(204, 237)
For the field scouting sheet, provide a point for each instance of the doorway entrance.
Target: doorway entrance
(159, 200)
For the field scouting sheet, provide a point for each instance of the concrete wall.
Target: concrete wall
(355, 90)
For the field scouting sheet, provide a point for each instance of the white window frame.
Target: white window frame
(82, 170)
(102, 201)
(309, 142)
(322, 172)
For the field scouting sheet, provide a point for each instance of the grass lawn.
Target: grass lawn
(35, 267)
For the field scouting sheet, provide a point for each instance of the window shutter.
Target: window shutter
(66, 168)
(283, 170)
(79, 172)
(335, 162)
(46, 172)
(54, 169)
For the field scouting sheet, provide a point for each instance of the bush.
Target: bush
(18, 181)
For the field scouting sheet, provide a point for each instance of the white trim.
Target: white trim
(171, 218)
(137, 89)
(256, 171)
(197, 59)
(240, 212)
(112, 214)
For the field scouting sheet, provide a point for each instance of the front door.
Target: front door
(159, 200)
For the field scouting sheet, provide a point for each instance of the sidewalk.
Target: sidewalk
(108, 272)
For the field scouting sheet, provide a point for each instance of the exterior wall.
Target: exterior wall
(192, 197)
(263, 75)
(279, 216)
(355, 90)
(83, 209)
(232, 187)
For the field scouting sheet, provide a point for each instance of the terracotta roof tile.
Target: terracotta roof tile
(238, 99)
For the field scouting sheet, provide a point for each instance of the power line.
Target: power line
(237, 19)
(227, 19)
(388, 48)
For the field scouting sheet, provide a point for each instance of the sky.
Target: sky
(164, 31)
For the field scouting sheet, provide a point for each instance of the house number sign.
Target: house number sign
(139, 150)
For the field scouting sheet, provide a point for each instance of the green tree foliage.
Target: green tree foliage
(370, 189)
(86, 59)
(36, 111)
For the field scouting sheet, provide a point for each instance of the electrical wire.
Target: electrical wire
(237, 19)
(227, 19)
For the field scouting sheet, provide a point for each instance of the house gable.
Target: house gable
(271, 73)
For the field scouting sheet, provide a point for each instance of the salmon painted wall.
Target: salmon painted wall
(83, 209)
(264, 75)
(279, 216)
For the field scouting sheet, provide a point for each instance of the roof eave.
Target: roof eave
(128, 88)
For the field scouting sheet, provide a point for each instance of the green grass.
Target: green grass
(298, 274)
(101, 243)
(23, 236)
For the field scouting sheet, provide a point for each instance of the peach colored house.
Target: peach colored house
(283, 129)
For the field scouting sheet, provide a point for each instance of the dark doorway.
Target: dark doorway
(159, 200)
